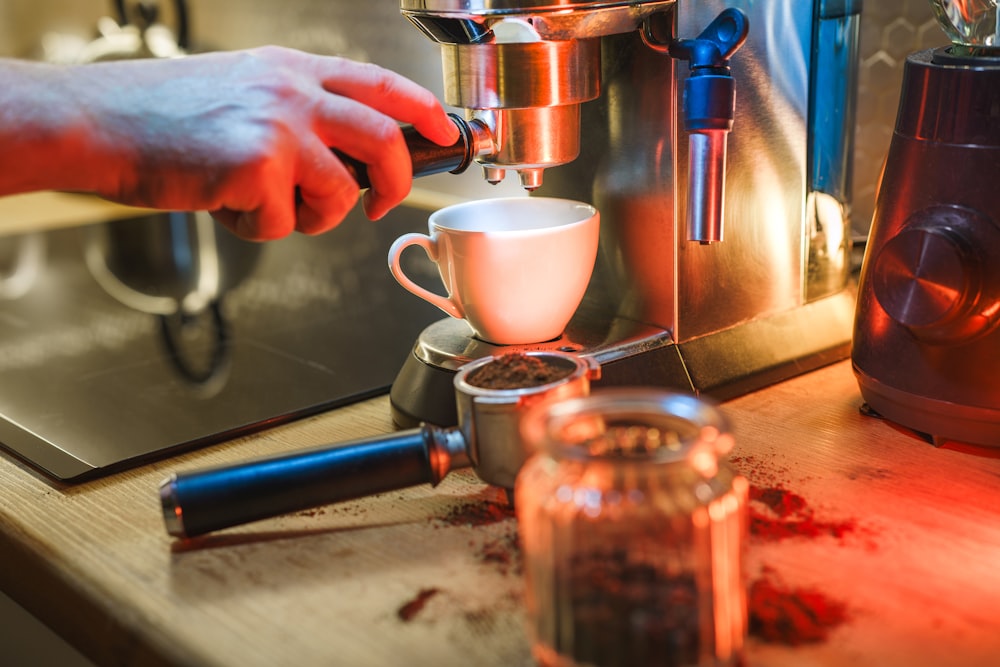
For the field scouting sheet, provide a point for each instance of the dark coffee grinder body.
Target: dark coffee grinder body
(926, 348)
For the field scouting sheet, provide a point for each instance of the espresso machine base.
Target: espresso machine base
(722, 365)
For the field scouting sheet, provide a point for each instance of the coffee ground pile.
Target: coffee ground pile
(503, 552)
(788, 515)
(478, 513)
(777, 613)
(516, 371)
(792, 616)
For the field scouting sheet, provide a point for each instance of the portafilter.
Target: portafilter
(487, 438)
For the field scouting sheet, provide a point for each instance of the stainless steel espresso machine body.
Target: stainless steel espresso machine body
(697, 287)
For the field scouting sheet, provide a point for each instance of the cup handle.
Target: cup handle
(430, 247)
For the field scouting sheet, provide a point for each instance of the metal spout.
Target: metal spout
(709, 110)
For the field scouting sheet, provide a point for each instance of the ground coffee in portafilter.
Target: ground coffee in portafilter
(517, 371)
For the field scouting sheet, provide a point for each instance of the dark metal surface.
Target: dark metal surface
(89, 385)
(927, 331)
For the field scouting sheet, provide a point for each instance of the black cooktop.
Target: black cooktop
(91, 383)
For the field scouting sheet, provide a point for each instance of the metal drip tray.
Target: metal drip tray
(91, 385)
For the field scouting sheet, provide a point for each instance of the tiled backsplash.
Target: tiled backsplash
(890, 30)
(373, 30)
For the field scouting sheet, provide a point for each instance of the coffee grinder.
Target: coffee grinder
(599, 102)
(926, 342)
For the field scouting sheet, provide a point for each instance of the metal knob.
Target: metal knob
(932, 279)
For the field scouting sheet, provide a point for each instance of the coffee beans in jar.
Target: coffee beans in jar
(632, 528)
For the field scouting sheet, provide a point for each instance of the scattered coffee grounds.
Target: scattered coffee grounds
(777, 614)
(782, 502)
(777, 513)
(612, 611)
(312, 512)
(504, 552)
(763, 471)
(414, 606)
(478, 513)
(516, 371)
(792, 616)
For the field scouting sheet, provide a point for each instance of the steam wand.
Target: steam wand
(709, 110)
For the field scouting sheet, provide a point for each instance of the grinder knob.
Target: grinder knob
(932, 277)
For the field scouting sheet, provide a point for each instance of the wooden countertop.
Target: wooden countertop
(886, 549)
(40, 211)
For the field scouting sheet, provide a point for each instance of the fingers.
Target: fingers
(257, 202)
(366, 127)
(327, 192)
(314, 199)
(245, 224)
(393, 95)
(340, 104)
(375, 139)
(382, 147)
(262, 224)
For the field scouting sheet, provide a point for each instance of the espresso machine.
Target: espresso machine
(724, 256)
(927, 344)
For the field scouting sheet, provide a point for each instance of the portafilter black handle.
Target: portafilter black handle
(428, 157)
(199, 502)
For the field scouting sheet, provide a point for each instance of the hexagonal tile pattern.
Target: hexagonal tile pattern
(890, 31)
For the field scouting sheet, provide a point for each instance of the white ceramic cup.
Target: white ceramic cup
(514, 268)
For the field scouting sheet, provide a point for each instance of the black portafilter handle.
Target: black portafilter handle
(426, 156)
(199, 502)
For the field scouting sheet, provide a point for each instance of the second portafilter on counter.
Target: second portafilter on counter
(487, 438)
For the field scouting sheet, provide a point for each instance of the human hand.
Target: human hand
(237, 133)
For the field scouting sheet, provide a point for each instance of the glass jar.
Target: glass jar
(633, 528)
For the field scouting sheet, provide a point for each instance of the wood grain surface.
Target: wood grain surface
(885, 551)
